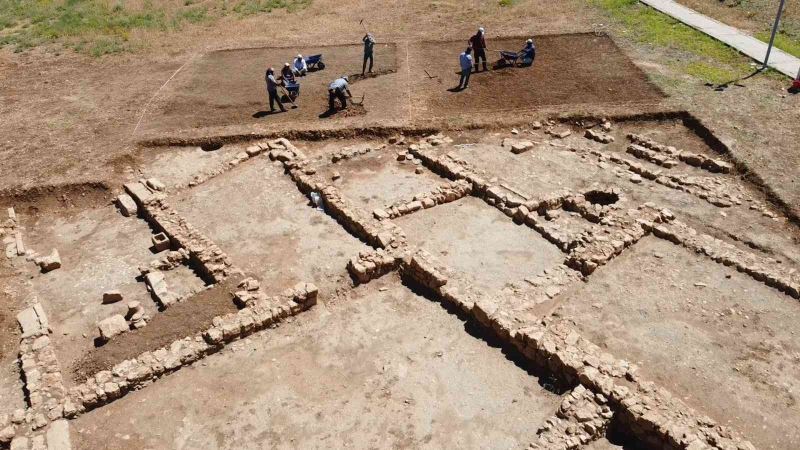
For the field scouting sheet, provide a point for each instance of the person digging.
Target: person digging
(337, 90)
(478, 44)
(369, 46)
(272, 90)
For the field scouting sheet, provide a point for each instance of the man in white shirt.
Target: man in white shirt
(299, 66)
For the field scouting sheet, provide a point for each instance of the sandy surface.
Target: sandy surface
(420, 382)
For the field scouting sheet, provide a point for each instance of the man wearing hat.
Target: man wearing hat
(272, 90)
(337, 89)
(299, 66)
(528, 53)
(478, 44)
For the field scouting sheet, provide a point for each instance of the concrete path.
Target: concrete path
(750, 46)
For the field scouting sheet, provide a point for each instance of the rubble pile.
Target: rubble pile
(599, 245)
(170, 261)
(599, 136)
(693, 159)
(443, 194)
(250, 152)
(582, 417)
(349, 153)
(372, 264)
(46, 394)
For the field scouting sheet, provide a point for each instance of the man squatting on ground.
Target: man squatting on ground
(528, 53)
(478, 44)
(272, 90)
(369, 45)
(465, 59)
(336, 90)
(299, 66)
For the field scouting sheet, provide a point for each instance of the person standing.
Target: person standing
(272, 90)
(337, 89)
(478, 44)
(465, 59)
(369, 45)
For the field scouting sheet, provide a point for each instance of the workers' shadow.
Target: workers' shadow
(328, 113)
(262, 114)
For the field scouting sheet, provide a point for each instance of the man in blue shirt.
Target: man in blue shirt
(465, 59)
(337, 89)
(272, 90)
(369, 44)
(528, 53)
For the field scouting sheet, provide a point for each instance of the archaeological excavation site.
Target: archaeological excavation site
(572, 263)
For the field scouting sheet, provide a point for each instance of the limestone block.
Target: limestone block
(58, 436)
(127, 206)
(112, 326)
(139, 192)
(156, 185)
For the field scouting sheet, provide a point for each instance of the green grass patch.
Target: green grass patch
(783, 41)
(505, 3)
(100, 27)
(710, 60)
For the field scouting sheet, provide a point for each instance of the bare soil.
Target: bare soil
(268, 228)
(569, 69)
(227, 87)
(481, 242)
(420, 381)
(179, 320)
(723, 342)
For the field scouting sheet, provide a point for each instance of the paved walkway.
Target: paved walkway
(750, 46)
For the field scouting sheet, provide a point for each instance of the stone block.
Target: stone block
(112, 326)
(521, 147)
(156, 185)
(58, 436)
(127, 206)
(12, 214)
(139, 192)
(18, 243)
(160, 242)
(158, 287)
(29, 322)
(111, 297)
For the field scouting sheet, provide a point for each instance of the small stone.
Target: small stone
(514, 131)
(111, 297)
(418, 170)
(336, 176)
(698, 284)
(155, 184)
(636, 179)
(12, 214)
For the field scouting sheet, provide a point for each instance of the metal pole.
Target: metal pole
(774, 32)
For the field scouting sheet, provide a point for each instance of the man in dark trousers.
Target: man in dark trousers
(337, 89)
(272, 90)
(478, 44)
(369, 45)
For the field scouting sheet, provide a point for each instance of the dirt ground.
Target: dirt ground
(268, 228)
(567, 70)
(377, 365)
(226, 87)
(481, 243)
(724, 343)
(421, 382)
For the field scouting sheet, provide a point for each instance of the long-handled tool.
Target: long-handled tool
(430, 77)
(361, 22)
(360, 102)
(286, 93)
